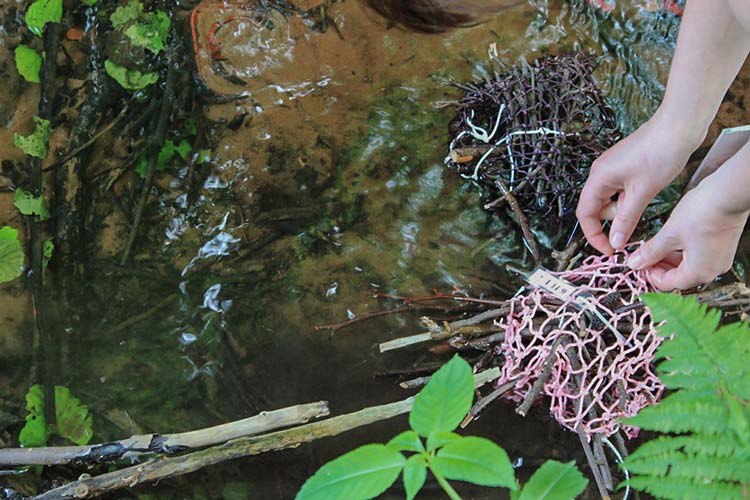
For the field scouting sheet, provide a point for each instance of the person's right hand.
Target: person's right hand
(634, 170)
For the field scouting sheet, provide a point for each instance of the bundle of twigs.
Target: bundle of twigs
(533, 131)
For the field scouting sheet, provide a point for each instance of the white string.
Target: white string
(619, 460)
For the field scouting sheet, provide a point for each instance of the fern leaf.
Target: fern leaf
(670, 488)
(683, 416)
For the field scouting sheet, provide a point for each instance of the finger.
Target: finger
(654, 251)
(630, 207)
(680, 278)
(594, 197)
(609, 212)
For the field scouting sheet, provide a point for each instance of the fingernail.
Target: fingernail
(617, 240)
(635, 262)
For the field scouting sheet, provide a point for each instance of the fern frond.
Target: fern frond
(680, 489)
(681, 415)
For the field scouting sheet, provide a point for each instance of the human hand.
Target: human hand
(635, 169)
(700, 239)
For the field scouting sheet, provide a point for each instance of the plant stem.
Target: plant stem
(452, 494)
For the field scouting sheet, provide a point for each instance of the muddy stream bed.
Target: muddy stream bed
(323, 182)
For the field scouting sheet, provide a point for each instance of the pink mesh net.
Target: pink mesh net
(615, 372)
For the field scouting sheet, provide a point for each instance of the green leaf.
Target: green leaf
(28, 63)
(47, 251)
(476, 460)
(42, 12)
(446, 399)
(166, 153)
(89, 2)
(204, 156)
(11, 254)
(28, 204)
(439, 439)
(126, 13)
(415, 474)
(73, 419)
(555, 481)
(150, 31)
(406, 441)
(35, 144)
(130, 79)
(361, 474)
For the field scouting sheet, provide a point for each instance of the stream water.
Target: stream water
(325, 183)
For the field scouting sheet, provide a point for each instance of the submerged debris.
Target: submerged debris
(536, 129)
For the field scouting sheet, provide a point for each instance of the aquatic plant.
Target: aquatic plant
(73, 420)
(533, 130)
(11, 254)
(28, 63)
(706, 453)
(439, 408)
(35, 144)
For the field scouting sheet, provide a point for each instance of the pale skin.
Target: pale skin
(699, 240)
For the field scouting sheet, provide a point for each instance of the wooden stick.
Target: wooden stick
(480, 405)
(522, 221)
(536, 388)
(157, 469)
(593, 465)
(167, 443)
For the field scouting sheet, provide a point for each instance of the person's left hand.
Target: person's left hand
(699, 241)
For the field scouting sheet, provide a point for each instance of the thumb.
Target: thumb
(653, 251)
(629, 211)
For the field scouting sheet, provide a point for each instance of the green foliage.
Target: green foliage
(167, 152)
(42, 12)
(363, 473)
(73, 419)
(28, 204)
(707, 454)
(11, 254)
(554, 481)
(130, 79)
(445, 401)
(35, 144)
(145, 29)
(370, 470)
(28, 63)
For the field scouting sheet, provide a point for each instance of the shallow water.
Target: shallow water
(327, 184)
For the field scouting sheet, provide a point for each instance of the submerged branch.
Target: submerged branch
(167, 443)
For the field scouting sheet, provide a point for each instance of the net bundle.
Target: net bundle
(537, 128)
(600, 356)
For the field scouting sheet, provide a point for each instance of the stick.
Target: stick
(160, 134)
(480, 405)
(157, 469)
(516, 208)
(133, 320)
(479, 379)
(592, 464)
(536, 388)
(167, 443)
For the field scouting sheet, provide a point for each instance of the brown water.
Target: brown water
(326, 183)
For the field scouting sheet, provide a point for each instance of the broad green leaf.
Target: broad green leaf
(446, 399)
(150, 31)
(28, 63)
(126, 13)
(204, 156)
(361, 474)
(168, 151)
(406, 441)
(28, 204)
(476, 460)
(439, 439)
(554, 481)
(11, 255)
(42, 12)
(415, 473)
(73, 419)
(34, 432)
(35, 144)
(130, 79)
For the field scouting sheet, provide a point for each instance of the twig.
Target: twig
(547, 366)
(480, 378)
(159, 136)
(134, 320)
(480, 405)
(522, 221)
(88, 143)
(167, 443)
(157, 469)
(334, 327)
(593, 465)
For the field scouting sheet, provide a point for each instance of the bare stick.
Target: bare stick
(522, 221)
(547, 366)
(480, 379)
(593, 465)
(157, 469)
(480, 405)
(167, 443)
